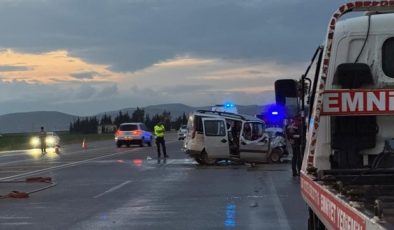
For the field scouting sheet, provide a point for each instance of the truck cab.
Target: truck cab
(347, 109)
(356, 116)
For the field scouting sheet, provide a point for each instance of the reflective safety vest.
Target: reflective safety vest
(159, 130)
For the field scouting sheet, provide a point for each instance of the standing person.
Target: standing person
(159, 130)
(293, 135)
(43, 136)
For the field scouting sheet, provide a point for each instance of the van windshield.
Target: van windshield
(128, 127)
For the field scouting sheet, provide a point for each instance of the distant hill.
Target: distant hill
(32, 121)
(56, 121)
(178, 109)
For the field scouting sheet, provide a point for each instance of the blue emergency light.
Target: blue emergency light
(228, 105)
(275, 114)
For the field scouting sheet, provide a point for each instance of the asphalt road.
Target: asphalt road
(103, 187)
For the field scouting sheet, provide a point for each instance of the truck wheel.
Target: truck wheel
(314, 222)
(206, 159)
(310, 220)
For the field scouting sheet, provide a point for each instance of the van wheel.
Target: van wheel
(199, 161)
(142, 143)
(275, 155)
(206, 160)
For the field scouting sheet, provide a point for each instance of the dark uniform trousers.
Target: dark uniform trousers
(161, 141)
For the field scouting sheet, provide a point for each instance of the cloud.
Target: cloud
(183, 62)
(94, 56)
(84, 75)
(10, 68)
(132, 35)
(107, 91)
(186, 89)
(51, 67)
(84, 92)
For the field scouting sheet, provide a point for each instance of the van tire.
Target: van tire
(275, 155)
(206, 160)
(199, 161)
(142, 142)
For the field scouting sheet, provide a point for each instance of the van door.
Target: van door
(215, 138)
(254, 144)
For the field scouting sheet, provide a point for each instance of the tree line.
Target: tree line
(90, 124)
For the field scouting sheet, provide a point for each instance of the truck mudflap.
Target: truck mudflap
(333, 211)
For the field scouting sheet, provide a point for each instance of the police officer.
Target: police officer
(43, 136)
(159, 130)
(293, 135)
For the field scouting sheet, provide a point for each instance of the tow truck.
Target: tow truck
(347, 115)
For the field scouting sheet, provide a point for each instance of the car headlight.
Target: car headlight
(50, 140)
(35, 141)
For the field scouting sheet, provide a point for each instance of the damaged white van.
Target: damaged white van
(213, 136)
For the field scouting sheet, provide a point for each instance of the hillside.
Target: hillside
(32, 121)
(178, 109)
(56, 121)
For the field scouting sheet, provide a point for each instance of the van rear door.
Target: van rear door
(215, 138)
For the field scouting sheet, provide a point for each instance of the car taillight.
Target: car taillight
(118, 133)
(136, 132)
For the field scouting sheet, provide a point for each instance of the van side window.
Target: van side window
(215, 128)
(388, 57)
(253, 131)
(198, 124)
(247, 132)
(258, 131)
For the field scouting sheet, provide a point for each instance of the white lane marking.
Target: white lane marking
(18, 161)
(113, 189)
(14, 217)
(31, 159)
(87, 150)
(64, 165)
(19, 223)
(12, 151)
(23, 152)
(282, 218)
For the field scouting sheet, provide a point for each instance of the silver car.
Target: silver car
(133, 133)
(182, 132)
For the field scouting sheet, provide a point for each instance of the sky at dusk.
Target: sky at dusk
(88, 56)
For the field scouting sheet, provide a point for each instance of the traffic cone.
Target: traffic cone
(84, 145)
